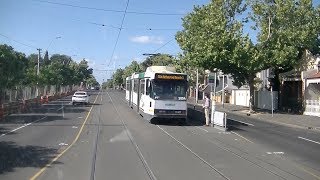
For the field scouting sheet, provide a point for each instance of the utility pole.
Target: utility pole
(38, 66)
(38, 71)
(197, 86)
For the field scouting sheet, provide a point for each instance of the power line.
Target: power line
(115, 45)
(30, 46)
(163, 46)
(109, 10)
(125, 28)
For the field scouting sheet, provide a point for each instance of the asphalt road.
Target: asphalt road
(109, 140)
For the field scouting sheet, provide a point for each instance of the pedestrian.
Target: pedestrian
(206, 106)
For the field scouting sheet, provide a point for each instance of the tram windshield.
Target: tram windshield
(169, 89)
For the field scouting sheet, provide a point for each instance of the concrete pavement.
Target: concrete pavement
(291, 120)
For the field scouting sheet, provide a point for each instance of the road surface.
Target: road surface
(109, 140)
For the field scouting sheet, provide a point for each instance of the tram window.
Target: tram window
(128, 84)
(135, 88)
(147, 87)
(142, 86)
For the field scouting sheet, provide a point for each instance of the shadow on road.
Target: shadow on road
(14, 156)
(168, 122)
(29, 118)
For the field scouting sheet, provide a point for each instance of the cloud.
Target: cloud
(147, 39)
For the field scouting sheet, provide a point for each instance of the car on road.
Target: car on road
(80, 97)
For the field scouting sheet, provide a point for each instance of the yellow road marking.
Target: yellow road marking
(64, 151)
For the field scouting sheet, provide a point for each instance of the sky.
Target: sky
(90, 29)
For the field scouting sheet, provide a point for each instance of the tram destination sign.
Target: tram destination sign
(171, 77)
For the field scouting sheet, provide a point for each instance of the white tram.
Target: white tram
(159, 92)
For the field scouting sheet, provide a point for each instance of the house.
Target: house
(311, 89)
(299, 91)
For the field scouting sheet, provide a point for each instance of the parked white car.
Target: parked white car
(80, 97)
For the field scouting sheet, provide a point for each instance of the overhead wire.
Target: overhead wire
(30, 46)
(162, 46)
(125, 28)
(116, 43)
(109, 10)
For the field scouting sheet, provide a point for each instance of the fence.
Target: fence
(263, 100)
(312, 108)
(19, 99)
(26, 93)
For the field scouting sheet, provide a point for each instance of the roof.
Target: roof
(161, 69)
(314, 76)
(311, 74)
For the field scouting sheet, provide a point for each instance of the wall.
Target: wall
(240, 97)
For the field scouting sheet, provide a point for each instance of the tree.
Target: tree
(46, 60)
(157, 60)
(13, 66)
(132, 68)
(118, 77)
(287, 29)
(212, 37)
(60, 58)
(91, 81)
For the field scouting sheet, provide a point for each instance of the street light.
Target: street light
(58, 37)
(38, 64)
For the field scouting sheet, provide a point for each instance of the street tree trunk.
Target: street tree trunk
(251, 90)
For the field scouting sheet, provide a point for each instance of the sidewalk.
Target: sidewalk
(291, 120)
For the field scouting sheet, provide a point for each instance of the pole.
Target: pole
(223, 90)
(215, 84)
(213, 103)
(271, 101)
(38, 71)
(197, 87)
(38, 65)
(114, 71)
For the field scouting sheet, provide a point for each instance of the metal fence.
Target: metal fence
(25, 93)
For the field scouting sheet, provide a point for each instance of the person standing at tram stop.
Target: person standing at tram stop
(206, 106)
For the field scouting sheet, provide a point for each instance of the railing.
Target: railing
(312, 107)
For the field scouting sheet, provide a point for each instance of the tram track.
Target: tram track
(267, 170)
(212, 167)
(133, 142)
(95, 148)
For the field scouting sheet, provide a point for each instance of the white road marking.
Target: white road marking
(195, 154)
(74, 127)
(277, 153)
(308, 140)
(59, 109)
(224, 133)
(63, 144)
(202, 129)
(242, 122)
(80, 117)
(241, 136)
(25, 125)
